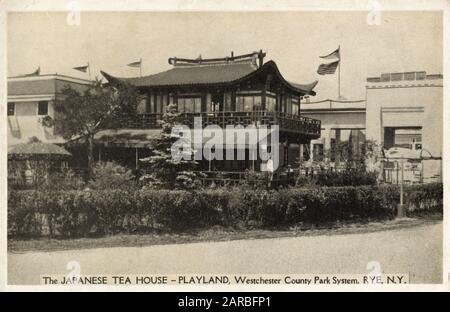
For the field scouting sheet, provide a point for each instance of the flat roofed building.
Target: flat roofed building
(402, 109)
(406, 110)
(31, 98)
(341, 121)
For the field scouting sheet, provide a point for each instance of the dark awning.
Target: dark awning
(136, 138)
(144, 138)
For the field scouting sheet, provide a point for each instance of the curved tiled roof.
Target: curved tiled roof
(210, 75)
(207, 74)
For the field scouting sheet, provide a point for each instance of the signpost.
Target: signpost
(401, 155)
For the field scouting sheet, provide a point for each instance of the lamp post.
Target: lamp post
(400, 206)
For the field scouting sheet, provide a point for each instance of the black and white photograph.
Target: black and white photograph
(282, 148)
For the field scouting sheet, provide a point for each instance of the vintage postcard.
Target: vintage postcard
(223, 146)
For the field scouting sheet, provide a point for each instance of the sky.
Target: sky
(403, 41)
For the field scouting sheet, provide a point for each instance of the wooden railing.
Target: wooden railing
(286, 122)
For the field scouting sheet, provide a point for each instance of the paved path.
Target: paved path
(417, 250)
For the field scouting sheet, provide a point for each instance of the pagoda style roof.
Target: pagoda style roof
(204, 73)
(192, 75)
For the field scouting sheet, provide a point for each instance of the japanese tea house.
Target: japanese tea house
(223, 91)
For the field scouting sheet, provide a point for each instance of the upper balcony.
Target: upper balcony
(294, 124)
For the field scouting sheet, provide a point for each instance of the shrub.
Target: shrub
(67, 179)
(109, 175)
(80, 213)
(254, 179)
(349, 177)
(425, 198)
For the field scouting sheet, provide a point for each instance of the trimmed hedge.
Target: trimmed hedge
(350, 177)
(106, 212)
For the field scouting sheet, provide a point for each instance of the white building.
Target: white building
(400, 110)
(31, 98)
(341, 121)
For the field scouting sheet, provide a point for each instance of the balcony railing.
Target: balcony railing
(286, 122)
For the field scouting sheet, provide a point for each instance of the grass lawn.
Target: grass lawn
(213, 234)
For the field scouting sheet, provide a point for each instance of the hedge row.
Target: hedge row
(106, 212)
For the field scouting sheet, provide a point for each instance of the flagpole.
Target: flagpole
(89, 70)
(140, 67)
(339, 73)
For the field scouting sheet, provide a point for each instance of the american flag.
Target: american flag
(329, 68)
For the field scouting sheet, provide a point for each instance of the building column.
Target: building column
(286, 151)
(300, 152)
(326, 143)
(137, 158)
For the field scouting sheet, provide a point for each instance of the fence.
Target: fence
(414, 172)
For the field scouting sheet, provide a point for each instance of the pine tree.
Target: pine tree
(161, 169)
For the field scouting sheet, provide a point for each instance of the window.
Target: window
(227, 98)
(151, 103)
(402, 137)
(239, 103)
(42, 108)
(283, 103)
(197, 105)
(271, 103)
(247, 103)
(289, 105)
(214, 106)
(189, 105)
(164, 104)
(158, 103)
(257, 103)
(142, 106)
(295, 107)
(180, 102)
(407, 138)
(11, 108)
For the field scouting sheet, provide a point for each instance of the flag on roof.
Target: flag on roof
(82, 68)
(135, 64)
